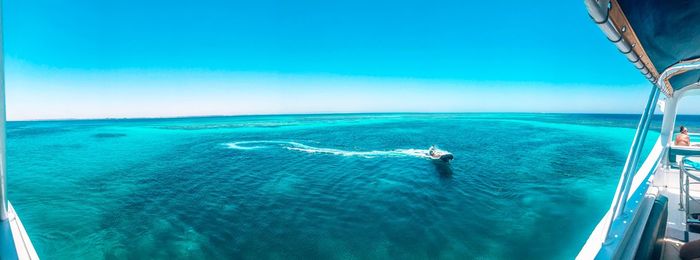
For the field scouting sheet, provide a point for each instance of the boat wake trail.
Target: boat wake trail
(294, 146)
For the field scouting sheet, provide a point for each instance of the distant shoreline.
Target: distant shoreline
(314, 114)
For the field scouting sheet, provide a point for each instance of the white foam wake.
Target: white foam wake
(294, 146)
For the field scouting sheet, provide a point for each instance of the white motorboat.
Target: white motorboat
(437, 154)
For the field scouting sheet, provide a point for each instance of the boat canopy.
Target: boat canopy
(661, 38)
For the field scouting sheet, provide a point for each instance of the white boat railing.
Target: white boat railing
(3, 165)
(624, 185)
(686, 179)
(610, 237)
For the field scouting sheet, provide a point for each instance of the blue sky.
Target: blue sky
(94, 59)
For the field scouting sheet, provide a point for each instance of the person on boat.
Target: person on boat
(682, 138)
(431, 151)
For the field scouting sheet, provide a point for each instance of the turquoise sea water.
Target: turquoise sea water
(317, 186)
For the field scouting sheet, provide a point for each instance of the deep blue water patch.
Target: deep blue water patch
(108, 135)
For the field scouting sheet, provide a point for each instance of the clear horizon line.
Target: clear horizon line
(317, 113)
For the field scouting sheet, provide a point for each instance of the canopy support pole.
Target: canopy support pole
(623, 186)
(3, 151)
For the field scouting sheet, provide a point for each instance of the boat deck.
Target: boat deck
(668, 183)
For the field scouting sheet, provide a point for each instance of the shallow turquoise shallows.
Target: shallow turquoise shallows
(317, 186)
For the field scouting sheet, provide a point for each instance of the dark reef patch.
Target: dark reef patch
(108, 135)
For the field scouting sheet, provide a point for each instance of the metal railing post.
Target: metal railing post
(681, 171)
(623, 186)
(632, 168)
(684, 171)
(3, 155)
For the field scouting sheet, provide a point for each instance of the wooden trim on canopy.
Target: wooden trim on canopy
(681, 71)
(623, 27)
